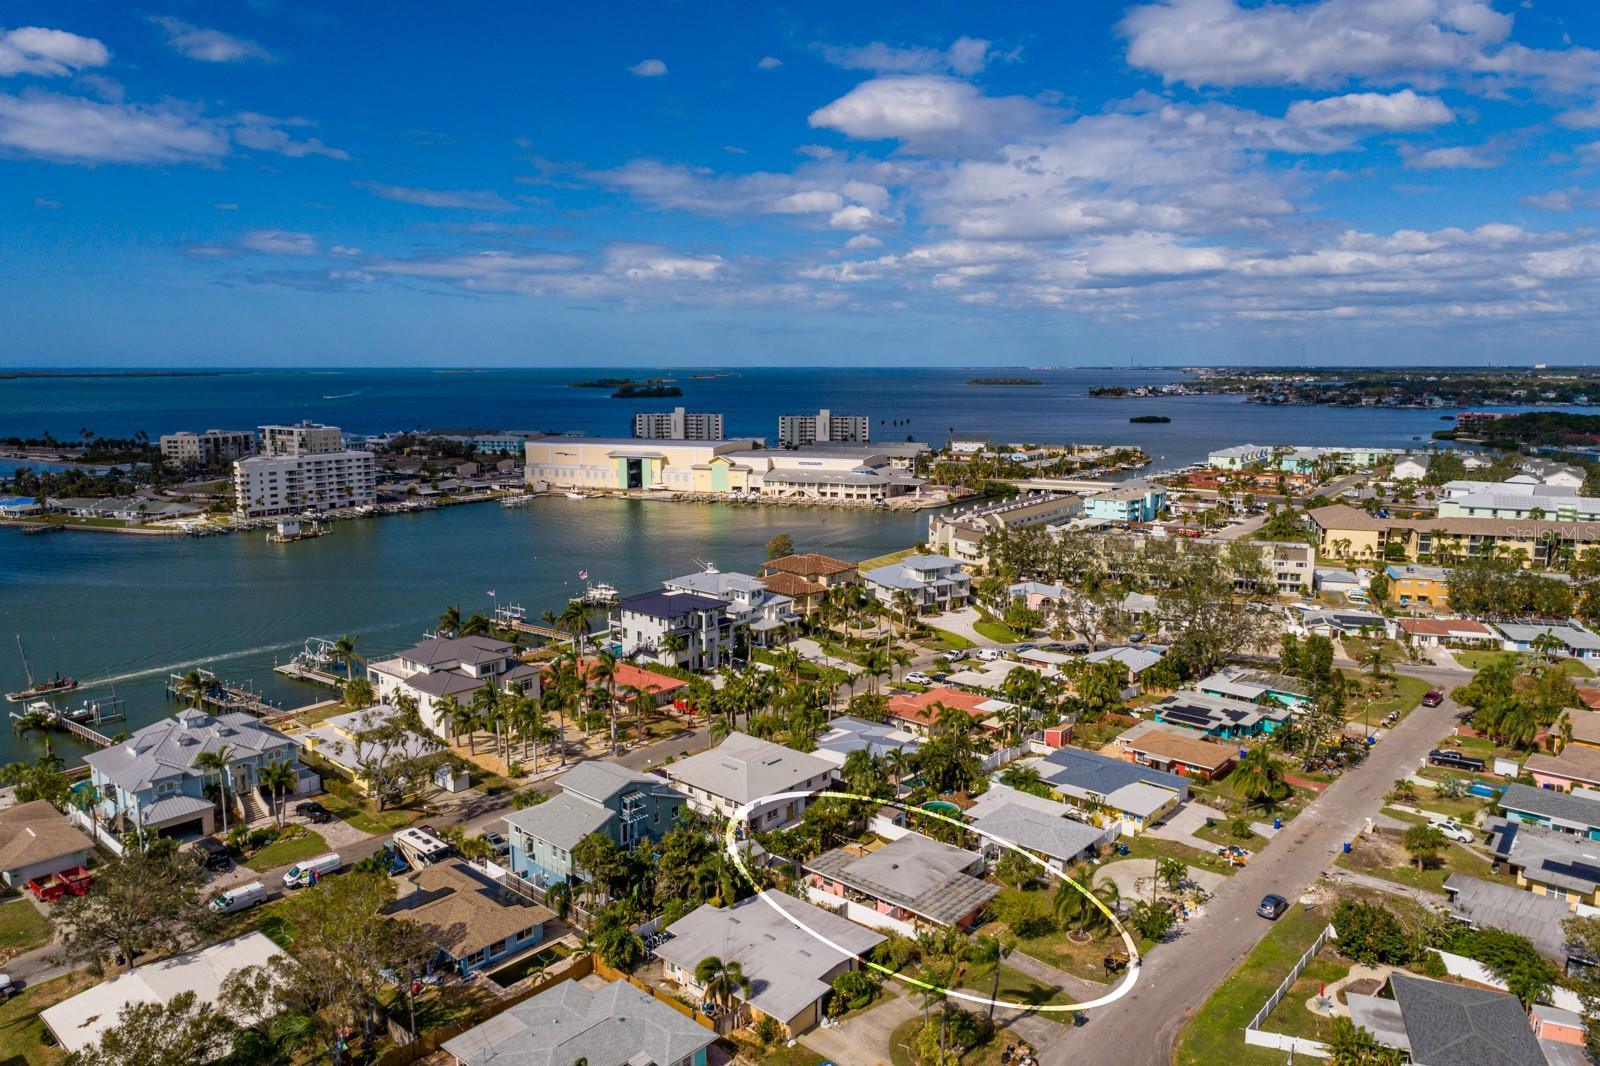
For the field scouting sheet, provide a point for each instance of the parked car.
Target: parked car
(917, 677)
(954, 655)
(1455, 760)
(990, 655)
(1020, 648)
(1452, 829)
(1079, 648)
(211, 854)
(498, 843)
(313, 812)
(1272, 906)
(238, 899)
(1432, 698)
(1136, 638)
(8, 987)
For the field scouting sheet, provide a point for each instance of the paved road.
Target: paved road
(1178, 977)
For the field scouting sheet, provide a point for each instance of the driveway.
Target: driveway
(811, 651)
(960, 622)
(1179, 976)
(1180, 826)
(864, 1039)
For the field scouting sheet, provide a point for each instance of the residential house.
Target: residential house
(1577, 767)
(1134, 796)
(614, 1025)
(1128, 504)
(444, 671)
(79, 1023)
(1223, 717)
(476, 922)
(663, 688)
(1183, 755)
(1255, 686)
(1550, 472)
(1442, 632)
(1339, 624)
(344, 741)
(1569, 638)
(918, 713)
(1292, 565)
(752, 606)
(1337, 581)
(1482, 904)
(1041, 596)
(595, 797)
(1238, 457)
(1135, 660)
(910, 883)
(1052, 831)
(846, 734)
(646, 624)
(805, 579)
(1437, 1023)
(1577, 813)
(790, 969)
(154, 781)
(1410, 468)
(1548, 862)
(932, 582)
(743, 769)
(37, 840)
(1411, 584)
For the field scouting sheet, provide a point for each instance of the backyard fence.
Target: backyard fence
(1258, 1037)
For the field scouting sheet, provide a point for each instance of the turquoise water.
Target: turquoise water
(121, 612)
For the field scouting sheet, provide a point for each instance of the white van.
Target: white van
(303, 873)
(238, 899)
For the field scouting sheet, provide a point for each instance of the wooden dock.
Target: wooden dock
(83, 732)
(224, 696)
(300, 672)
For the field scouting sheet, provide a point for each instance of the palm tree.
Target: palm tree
(603, 674)
(673, 645)
(991, 951)
(219, 761)
(41, 722)
(555, 697)
(486, 703)
(1258, 779)
(721, 981)
(344, 649)
(449, 621)
(1076, 909)
(1170, 872)
(194, 685)
(1375, 660)
(575, 620)
(280, 778)
(462, 719)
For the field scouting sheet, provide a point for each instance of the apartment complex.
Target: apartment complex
(211, 448)
(824, 427)
(960, 533)
(1350, 533)
(677, 424)
(303, 467)
(1132, 503)
(302, 438)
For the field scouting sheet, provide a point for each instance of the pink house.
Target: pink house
(1577, 765)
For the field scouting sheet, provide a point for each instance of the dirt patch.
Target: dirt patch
(1366, 986)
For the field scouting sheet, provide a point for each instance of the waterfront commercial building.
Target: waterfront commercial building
(448, 670)
(596, 797)
(824, 427)
(214, 447)
(677, 424)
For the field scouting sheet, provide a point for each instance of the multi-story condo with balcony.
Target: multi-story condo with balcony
(214, 447)
(291, 484)
(302, 438)
(677, 424)
(824, 427)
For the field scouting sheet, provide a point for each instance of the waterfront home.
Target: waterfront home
(1132, 795)
(344, 741)
(743, 769)
(1411, 583)
(911, 883)
(78, 1023)
(806, 578)
(1440, 632)
(918, 712)
(1254, 686)
(595, 797)
(1351, 533)
(1570, 639)
(1238, 456)
(1223, 717)
(1042, 596)
(649, 624)
(37, 840)
(1437, 1023)
(1410, 468)
(20, 507)
(1548, 862)
(155, 781)
(846, 734)
(443, 671)
(752, 606)
(1575, 813)
(570, 1022)
(790, 970)
(1052, 831)
(476, 922)
(1127, 504)
(1186, 756)
(805, 597)
(959, 533)
(933, 583)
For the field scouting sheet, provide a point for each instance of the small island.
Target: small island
(1149, 419)
(1109, 390)
(1005, 381)
(600, 383)
(648, 390)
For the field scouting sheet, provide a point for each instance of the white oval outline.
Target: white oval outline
(1122, 988)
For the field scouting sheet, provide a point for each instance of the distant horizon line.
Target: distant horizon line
(325, 368)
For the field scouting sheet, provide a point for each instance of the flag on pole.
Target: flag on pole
(489, 593)
(583, 575)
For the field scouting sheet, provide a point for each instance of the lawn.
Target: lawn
(1217, 1032)
(1404, 693)
(944, 640)
(998, 631)
(22, 927)
(885, 560)
(799, 1055)
(285, 852)
(362, 814)
(1478, 659)
(1016, 987)
(1291, 1017)
(1386, 858)
(22, 1034)
(1149, 847)
(1358, 649)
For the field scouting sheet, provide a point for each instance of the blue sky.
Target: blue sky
(1180, 181)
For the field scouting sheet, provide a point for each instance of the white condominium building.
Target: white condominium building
(677, 424)
(290, 484)
(824, 427)
(210, 448)
(304, 438)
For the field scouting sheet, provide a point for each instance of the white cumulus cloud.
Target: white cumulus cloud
(48, 53)
(649, 68)
(965, 56)
(1401, 111)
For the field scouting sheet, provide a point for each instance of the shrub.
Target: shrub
(1026, 914)
(768, 1031)
(1240, 828)
(852, 990)
(1431, 965)
(1370, 933)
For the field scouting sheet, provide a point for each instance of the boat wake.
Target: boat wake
(156, 671)
(342, 395)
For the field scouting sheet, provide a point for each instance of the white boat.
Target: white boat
(598, 594)
(575, 496)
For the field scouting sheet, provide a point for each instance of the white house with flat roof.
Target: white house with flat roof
(751, 605)
(743, 769)
(1238, 456)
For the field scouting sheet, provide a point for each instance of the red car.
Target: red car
(1432, 698)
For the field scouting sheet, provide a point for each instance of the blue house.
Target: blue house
(1222, 717)
(1552, 809)
(1134, 503)
(595, 797)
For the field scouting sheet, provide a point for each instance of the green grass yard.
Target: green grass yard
(998, 632)
(285, 852)
(22, 927)
(22, 1033)
(1478, 659)
(944, 640)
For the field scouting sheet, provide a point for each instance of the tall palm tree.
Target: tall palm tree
(194, 686)
(1375, 660)
(463, 718)
(991, 951)
(449, 621)
(574, 620)
(345, 650)
(555, 697)
(280, 778)
(219, 761)
(673, 645)
(722, 981)
(486, 702)
(602, 673)
(1075, 909)
(42, 723)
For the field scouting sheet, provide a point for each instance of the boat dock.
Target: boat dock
(83, 732)
(313, 663)
(222, 695)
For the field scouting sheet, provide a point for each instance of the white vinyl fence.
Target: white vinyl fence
(1258, 1037)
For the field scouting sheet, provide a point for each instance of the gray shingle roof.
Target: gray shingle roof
(450, 651)
(670, 606)
(1489, 904)
(600, 781)
(562, 821)
(1454, 1025)
(922, 875)
(1561, 807)
(617, 1025)
(1090, 771)
(1054, 837)
(786, 966)
(1547, 856)
(744, 768)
